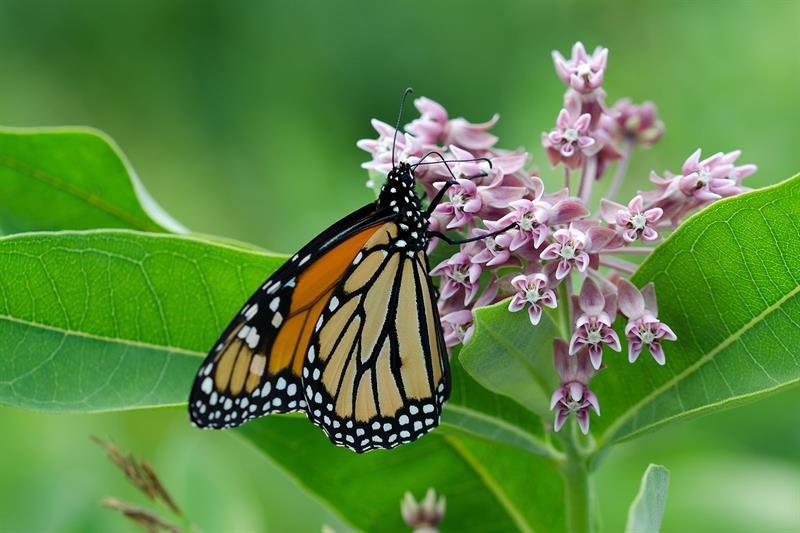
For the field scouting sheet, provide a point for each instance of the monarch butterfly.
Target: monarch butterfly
(347, 331)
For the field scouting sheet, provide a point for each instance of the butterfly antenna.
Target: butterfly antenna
(408, 91)
(443, 160)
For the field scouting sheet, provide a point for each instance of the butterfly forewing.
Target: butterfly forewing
(255, 368)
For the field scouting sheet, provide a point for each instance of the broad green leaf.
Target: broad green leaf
(647, 508)
(474, 410)
(114, 319)
(108, 319)
(71, 178)
(111, 319)
(488, 487)
(727, 283)
(509, 356)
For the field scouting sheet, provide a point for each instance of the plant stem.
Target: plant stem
(625, 267)
(588, 178)
(577, 485)
(629, 250)
(622, 169)
(565, 309)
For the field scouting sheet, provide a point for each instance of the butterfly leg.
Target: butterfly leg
(448, 240)
(447, 184)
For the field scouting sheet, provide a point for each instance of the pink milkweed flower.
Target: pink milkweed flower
(466, 167)
(570, 141)
(468, 199)
(435, 224)
(643, 328)
(458, 273)
(464, 203)
(434, 127)
(509, 162)
(573, 396)
(429, 127)
(457, 327)
(707, 180)
(531, 220)
(637, 124)
(408, 148)
(669, 198)
(737, 174)
(471, 136)
(491, 251)
(532, 291)
(635, 221)
(568, 250)
(582, 72)
(607, 152)
(593, 326)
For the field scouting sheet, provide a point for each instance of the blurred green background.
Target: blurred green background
(241, 118)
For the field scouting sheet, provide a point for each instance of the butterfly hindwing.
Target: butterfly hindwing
(255, 367)
(376, 373)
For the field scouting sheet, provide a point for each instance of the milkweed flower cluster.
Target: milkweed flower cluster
(563, 248)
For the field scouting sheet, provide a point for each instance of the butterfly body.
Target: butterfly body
(347, 331)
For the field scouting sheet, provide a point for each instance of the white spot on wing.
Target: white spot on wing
(277, 320)
(273, 288)
(252, 338)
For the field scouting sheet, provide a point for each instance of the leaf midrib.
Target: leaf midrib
(511, 348)
(630, 412)
(506, 426)
(491, 483)
(92, 336)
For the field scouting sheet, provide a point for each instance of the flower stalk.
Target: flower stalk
(578, 490)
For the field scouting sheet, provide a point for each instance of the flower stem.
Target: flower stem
(577, 484)
(626, 267)
(622, 169)
(629, 250)
(588, 178)
(565, 307)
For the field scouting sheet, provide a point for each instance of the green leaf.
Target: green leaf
(474, 410)
(103, 320)
(647, 508)
(488, 487)
(510, 357)
(112, 319)
(727, 283)
(71, 178)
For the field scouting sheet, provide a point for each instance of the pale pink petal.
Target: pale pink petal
(535, 313)
(630, 300)
(591, 299)
(564, 268)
